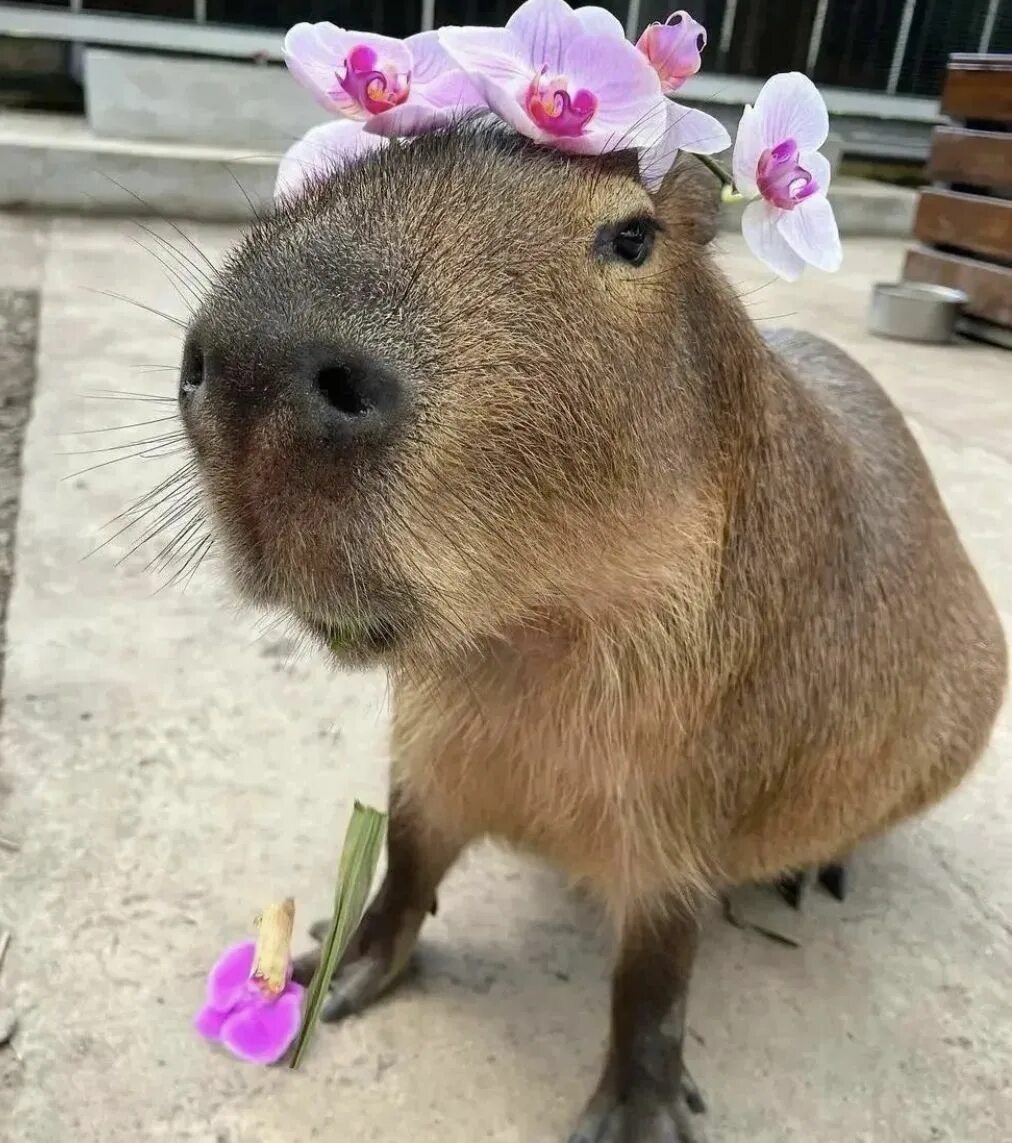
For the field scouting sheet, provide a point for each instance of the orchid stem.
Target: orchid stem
(717, 169)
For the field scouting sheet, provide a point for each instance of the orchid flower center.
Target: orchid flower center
(780, 177)
(375, 87)
(549, 103)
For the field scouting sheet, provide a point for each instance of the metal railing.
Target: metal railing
(896, 47)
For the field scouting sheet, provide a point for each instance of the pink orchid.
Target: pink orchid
(674, 49)
(321, 151)
(401, 87)
(776, 157)
(566, 78)
(253, 1026)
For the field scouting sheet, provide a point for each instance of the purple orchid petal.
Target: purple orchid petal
(693, 130)
(631, 108)
(208, 1022)
(436, 78)
(556, 110)
(430, 60)
(354, 73)
(790, 107)
(262, 1031)
(674, 49)
(491, 57)
(452, 90)
(686, 129)
(748, 149)
(654, 163)
(818, 166)
(761, 234)
(615, 71)
(512, 109)
(311, 62)
(373, 83)
(599, 22)
(781, 178)
(227, 980)
(417, 117)
(320, 152)
(544, 27)
(811, 232)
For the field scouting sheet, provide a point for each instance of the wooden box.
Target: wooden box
(964, 221)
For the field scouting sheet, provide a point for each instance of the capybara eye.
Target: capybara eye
(630, 241)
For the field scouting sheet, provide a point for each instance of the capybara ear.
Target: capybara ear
(690, 198)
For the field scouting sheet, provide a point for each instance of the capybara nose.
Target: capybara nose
(338, 393)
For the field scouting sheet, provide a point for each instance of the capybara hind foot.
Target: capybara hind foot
(834, 877)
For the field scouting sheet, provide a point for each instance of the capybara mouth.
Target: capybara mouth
(358, 638)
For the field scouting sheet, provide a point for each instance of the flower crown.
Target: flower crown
(570, 79)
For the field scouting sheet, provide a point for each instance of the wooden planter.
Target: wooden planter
(964, 222)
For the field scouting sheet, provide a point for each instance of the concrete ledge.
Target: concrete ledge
(220, 103)
(52, 162)
(141, 95)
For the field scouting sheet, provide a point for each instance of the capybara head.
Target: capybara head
(457, 386)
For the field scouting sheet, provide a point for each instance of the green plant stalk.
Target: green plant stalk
(721, 172)
(359, 858)
(718, 169)
(345, 634)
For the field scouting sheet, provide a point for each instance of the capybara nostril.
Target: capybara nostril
(191, 371)
(351, 394)
(344, 387)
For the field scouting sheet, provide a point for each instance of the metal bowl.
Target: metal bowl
(915, 311)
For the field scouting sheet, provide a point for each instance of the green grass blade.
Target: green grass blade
(359, 858)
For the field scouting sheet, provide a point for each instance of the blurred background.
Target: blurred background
(887, 57)
(893, 47)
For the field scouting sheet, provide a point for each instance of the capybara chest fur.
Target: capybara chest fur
(844, 675)
(671, 603)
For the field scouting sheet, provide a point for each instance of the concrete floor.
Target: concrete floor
(168, 766)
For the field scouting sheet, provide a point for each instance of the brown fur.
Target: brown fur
(673, 605)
